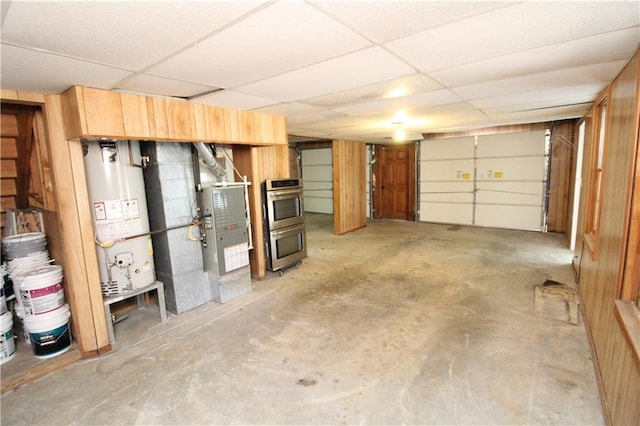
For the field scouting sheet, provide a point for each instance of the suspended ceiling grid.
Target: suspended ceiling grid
(354, 70)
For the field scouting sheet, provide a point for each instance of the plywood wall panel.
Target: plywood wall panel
(258, 164)
(82, 279)
(9, 125)
(158, 121)
(135, 116)
(9, 169)
(216, 124)
(349, 191)
(563, 142)
(198, 122)
(46, 190)
(179, 120)
(103, 113)
(19, 97)
(8, 147)
(90, 113)
(601, 273)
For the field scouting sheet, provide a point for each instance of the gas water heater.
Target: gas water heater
(119, 210)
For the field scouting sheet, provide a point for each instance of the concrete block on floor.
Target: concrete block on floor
(556, 300)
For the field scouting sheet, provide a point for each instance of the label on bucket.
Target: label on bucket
(51, 341)
(41, 300)
(7, 344)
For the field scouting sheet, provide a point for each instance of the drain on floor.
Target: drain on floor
(307, 381)
(454, 228)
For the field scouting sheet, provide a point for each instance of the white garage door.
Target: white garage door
(317, 180)
(492, 180)
(446, 180)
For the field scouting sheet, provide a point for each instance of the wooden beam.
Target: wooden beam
(24, 142)
(82, 279)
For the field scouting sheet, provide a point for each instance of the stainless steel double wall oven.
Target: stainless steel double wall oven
(285, 238)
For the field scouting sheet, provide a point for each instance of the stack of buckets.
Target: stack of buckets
(39, 297)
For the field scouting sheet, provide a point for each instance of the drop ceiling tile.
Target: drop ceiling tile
(543, 114)
(382, 21)
(559, 96)
(447, 117)
(353, 70)
(24, 69)
(437, 97)
(524, 25)
(282, 37)
(311, 119)
(598, 73)
(233, 100)
(288, 109)
(127, 34)
(403, 86)
(524, 105)
(594, 49)
(161, 86)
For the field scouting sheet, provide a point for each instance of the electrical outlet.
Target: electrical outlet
(124, 260)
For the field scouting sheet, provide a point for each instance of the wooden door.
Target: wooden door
(394, 182)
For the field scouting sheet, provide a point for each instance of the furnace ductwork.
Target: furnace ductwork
(207, 156)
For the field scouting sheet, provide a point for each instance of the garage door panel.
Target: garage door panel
(518, 168)
(318, 205)
(447, 170)
(448, 149)
(511, 144)
(314, 157)
(456, 213)
(447, 191)
(527, 193)
(317, 176)
(509, 217)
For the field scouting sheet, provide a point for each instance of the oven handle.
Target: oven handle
(284, 193)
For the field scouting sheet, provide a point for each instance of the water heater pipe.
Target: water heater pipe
(210, 161)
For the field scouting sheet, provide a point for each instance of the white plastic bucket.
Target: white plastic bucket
(22, 245)
(3, 300)
(7, 343)
(41, 290)
(50, 333)
(18, 310)
(18, 268)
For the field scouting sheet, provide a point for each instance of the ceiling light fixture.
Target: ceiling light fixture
(399, 120)
(400, 135)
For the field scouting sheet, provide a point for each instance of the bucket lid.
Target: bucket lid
(6, 321)
(23, 238)
(42, 275)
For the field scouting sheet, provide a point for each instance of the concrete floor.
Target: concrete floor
(397, 323)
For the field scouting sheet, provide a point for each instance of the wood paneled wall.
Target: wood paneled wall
(82, 278)
(258, 164)
(91, 113)
(24, 159)
(349, 186)
(562, 146)
(601, 273)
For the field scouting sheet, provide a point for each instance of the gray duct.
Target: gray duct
(211, 162)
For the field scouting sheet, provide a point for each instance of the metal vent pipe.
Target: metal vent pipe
(211, 162)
